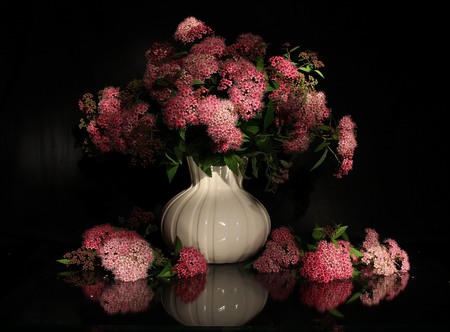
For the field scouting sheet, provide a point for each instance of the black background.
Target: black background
(384, 65)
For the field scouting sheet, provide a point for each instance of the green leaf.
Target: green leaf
(252, 129)
(318, 233)
(166, 272)
(265, 144)
(322, 145)
(232, 162)
(336, 245)
(319, 73)
(339, 232)
(356, 252)
(320, 161)
(270, 114)
(178, 246)
(171, 170)
(63, 261)
(353, 297)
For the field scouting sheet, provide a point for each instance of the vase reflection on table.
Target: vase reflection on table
(217, 216)
(230, 297)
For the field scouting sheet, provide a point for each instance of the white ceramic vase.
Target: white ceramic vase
(231, 297)
(217, 216)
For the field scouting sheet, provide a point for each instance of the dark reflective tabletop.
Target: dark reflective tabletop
(36, 296)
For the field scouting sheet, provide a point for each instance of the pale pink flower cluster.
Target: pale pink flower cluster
(325, 296)
(328, 262)
(346, 145)
(123, 252)
(190, 263)
(280, 252)
(384, 258)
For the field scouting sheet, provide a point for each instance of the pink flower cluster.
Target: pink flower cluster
(123, 252)
(190, 263)
(346, 145)
(328, 262)
(219, 102)
(384, 258)
(241, 87)
(280, 252)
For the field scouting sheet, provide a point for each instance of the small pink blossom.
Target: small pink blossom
(94, 237)
(280, 252)
(191, 29)
(191, 262)
(346, 145)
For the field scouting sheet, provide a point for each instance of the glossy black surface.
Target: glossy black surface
(36, 297)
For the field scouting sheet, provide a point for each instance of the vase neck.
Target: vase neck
(220, 175)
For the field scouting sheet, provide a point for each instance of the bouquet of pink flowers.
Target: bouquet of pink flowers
(221, 104)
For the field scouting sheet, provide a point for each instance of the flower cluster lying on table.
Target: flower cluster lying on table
(221, 104)
(129, 256)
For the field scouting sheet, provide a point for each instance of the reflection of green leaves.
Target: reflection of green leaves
(354, 297)
(336, 313)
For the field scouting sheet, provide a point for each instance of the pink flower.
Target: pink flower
(94, 237)
(191, 29)
(346, 145)
(328, 262)
(384, 258)
(280, 252)
(191, 262)
(127, 255)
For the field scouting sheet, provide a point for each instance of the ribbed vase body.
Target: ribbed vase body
(217, 216)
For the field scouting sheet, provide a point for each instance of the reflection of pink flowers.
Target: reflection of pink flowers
(127, 255)
(94, 292)
(384, 288)
(279, 285)
(328, 262)
(190, 263)
(188, 289)
(126, 297)
(280, 252)
(384, 258)
(325, 296)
